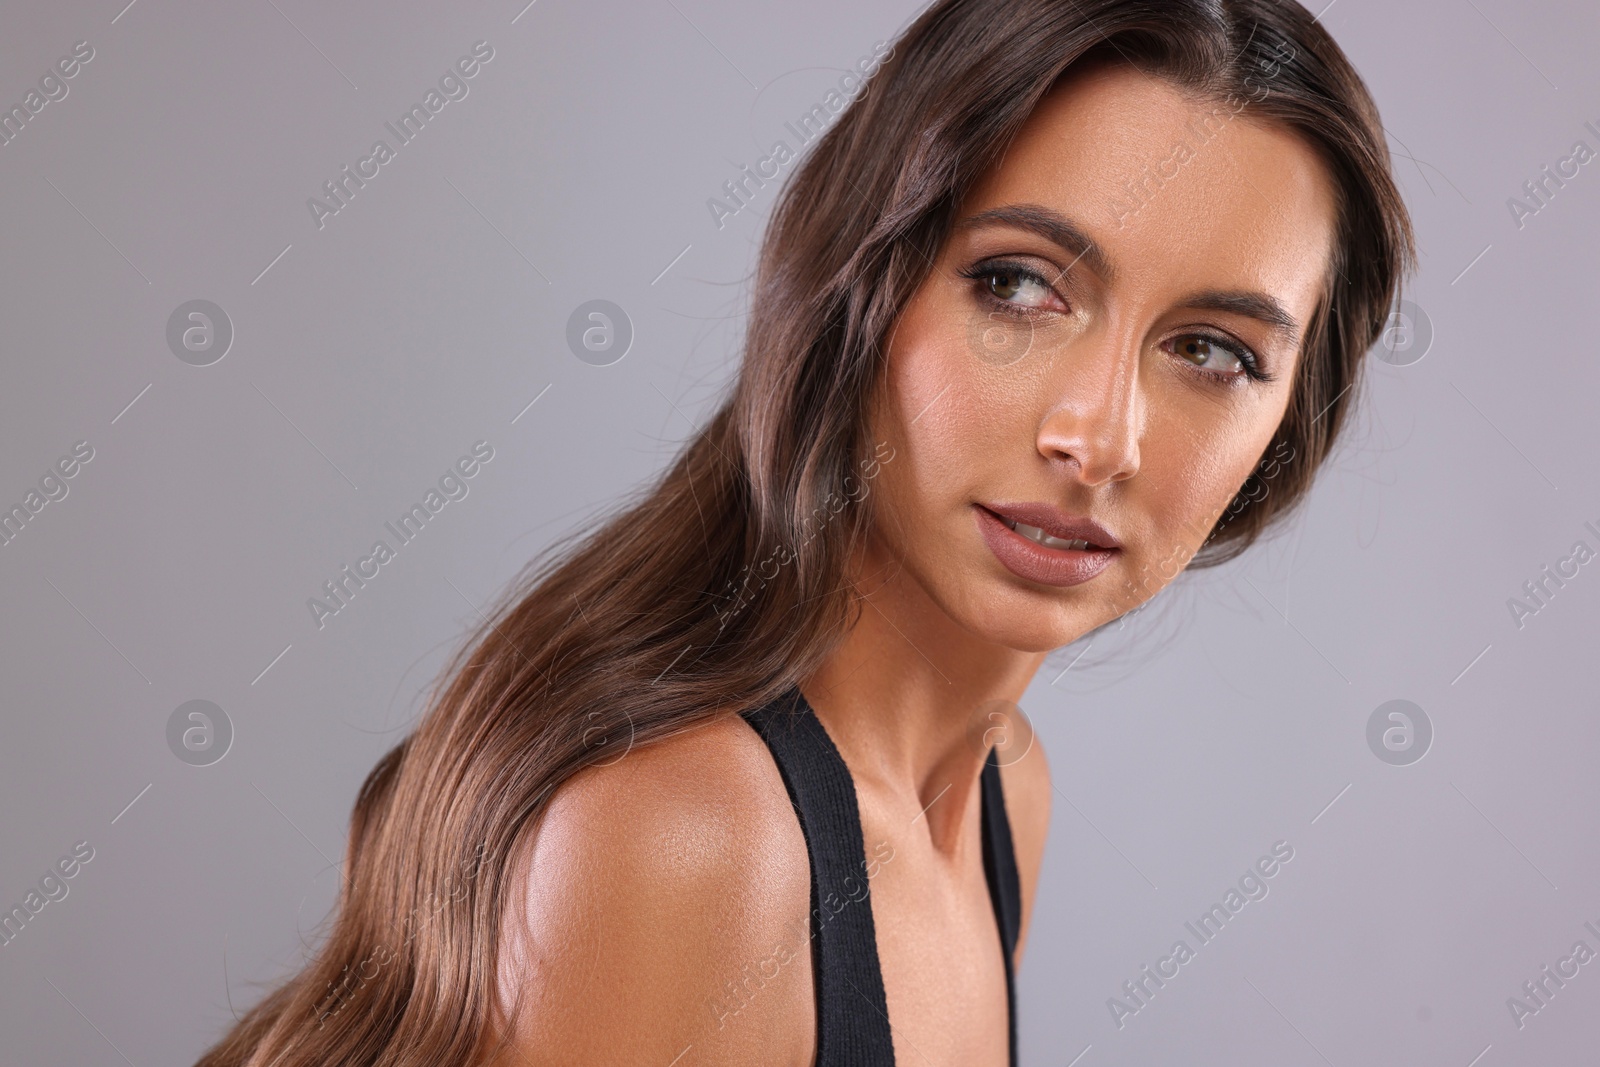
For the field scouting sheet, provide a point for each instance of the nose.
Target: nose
(1096, 409)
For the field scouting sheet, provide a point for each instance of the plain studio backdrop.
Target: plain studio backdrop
(364, 352)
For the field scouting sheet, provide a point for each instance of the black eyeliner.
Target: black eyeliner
(989, 267)
(1246, 357)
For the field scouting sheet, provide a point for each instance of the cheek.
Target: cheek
(960, 419)
(912, 488)
(1189, 479)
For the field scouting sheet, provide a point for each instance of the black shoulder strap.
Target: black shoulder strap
(1005, 888)
(852, 1011)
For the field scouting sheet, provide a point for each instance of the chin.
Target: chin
(1028, 621)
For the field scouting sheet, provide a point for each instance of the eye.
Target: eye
(1218, 358)
(1014, 286)
(1008, 283)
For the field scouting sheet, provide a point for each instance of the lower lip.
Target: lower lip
(1037, 563)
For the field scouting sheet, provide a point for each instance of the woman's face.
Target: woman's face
(1110, 334)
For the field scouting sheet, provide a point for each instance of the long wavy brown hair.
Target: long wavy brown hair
(725, 581)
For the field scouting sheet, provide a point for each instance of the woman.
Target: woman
(1073, 290)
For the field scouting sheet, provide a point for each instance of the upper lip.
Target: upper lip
(1057, 522)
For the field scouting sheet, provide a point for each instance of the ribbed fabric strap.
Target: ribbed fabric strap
(852, 1012)
(1005, 888)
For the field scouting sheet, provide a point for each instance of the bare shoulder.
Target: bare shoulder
(663, 903)
(1025, 782)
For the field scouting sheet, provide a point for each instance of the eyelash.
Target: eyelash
(980, 274)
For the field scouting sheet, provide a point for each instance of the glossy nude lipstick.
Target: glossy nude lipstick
(1044, 543)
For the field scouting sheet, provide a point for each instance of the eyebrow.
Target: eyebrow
(1258, 306)
(1053, 227)
(1070, 237)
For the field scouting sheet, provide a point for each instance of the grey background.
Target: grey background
(429, 312)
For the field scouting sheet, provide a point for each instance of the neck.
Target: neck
(905, 695)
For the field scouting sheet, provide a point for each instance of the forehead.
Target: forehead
(1181, 192)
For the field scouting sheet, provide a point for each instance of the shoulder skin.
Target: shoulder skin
(662, 906)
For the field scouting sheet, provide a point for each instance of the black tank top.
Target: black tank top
(852, 1012)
